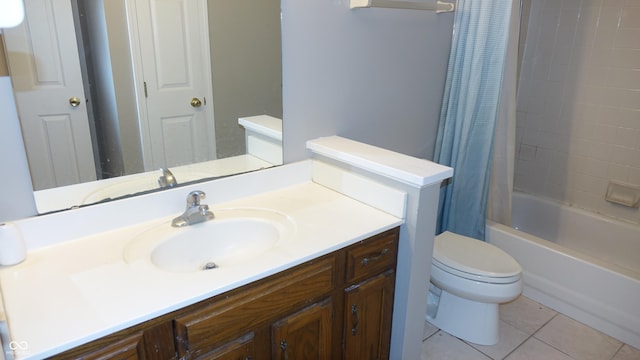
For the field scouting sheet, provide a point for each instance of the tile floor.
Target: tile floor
(530, 331)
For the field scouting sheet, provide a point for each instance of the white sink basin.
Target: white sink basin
(233, 237)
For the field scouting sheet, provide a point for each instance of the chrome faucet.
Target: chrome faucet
(195, 212)
(167, 180)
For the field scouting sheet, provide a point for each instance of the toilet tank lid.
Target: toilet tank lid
(474, 256)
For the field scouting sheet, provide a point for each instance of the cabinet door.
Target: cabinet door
(368, 314)
(242, 348)
(305, 334)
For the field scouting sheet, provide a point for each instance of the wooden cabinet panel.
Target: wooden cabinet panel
(205, 329)
(130, 348)
(305, 334)
(148, 341)
(372, 256)
(159, 342)
(368, 315)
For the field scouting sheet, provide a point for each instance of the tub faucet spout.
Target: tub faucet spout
(195, 212)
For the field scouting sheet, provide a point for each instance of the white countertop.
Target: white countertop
(76, 291)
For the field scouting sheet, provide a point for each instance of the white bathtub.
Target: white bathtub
(588, 268)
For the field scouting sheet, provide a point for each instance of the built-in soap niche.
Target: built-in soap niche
(623, 194)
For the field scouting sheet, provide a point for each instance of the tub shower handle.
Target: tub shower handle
(367, 259)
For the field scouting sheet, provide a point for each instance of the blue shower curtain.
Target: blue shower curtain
(468, 114)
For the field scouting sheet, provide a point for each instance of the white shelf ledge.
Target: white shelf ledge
(263, 124)
(404, 168)
(438, 6)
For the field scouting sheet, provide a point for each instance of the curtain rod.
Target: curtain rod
(438, 7)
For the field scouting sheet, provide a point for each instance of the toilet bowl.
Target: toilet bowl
(469, 278)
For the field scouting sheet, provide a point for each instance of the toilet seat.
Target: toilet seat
(474, 260)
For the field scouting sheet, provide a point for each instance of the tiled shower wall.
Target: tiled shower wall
(578, 123)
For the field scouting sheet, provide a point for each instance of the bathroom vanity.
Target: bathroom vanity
(315, 270)
(303, 312)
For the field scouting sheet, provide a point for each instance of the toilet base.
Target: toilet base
(473, 321)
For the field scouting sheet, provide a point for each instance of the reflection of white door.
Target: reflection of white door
(45, 70)
(178, 128)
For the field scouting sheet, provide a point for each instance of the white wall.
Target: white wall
(579, 102)
(103, 116)
(110, 72)
(16, 191)
(246, 66)
(373, 75)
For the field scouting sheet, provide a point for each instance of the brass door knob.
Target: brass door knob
(195, 102)
(74, 101)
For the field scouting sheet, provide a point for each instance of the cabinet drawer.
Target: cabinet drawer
(130, 348)
(369, 258)
(147, 341)
(203, 330)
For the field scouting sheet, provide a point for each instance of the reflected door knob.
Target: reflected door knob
(195, 102)
(74, 101)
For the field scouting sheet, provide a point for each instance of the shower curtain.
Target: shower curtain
(504, 144)
(474, 98)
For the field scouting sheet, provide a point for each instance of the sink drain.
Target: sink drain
(209, 266)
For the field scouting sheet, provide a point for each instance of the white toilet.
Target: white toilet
(469, 278)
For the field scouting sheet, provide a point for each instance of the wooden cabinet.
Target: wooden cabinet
(369, 298)
(338, 306)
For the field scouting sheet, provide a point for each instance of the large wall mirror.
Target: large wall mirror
(113, 93)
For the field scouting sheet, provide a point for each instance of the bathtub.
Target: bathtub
(577, 263)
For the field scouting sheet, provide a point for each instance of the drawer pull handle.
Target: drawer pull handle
(354, 319)
(367, 260)
(283, 347)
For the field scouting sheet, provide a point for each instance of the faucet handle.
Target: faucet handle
(204, 210)
(194, 197)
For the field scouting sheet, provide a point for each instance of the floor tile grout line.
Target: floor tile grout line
(617, 351)
(430, 336)
(545, 324)
(529, 336)
(517, 347)
(546, 343)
